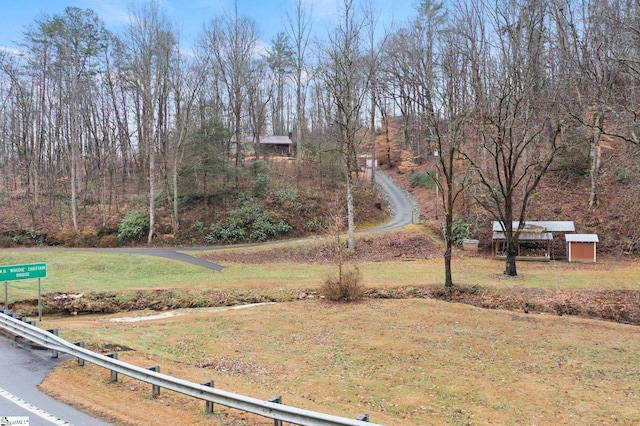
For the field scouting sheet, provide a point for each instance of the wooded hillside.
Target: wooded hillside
(513, 110)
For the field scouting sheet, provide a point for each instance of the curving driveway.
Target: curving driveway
(402, 205)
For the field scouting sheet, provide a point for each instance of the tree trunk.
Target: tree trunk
(152, 190)
(510, 266)
(448, 279)
(351, 238)
(595, 153)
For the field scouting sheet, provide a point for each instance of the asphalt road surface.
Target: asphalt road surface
(401, 204)
(22, 368)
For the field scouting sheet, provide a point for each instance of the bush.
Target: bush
(88, 237)
(623, 175)
(422, 179)
(251, 222)
(345, 287)
(260, 171)
(107, 241)
(67, 237)
(6, 241)
(134, 226)
(459, 230)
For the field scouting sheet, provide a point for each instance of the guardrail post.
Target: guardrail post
(155, 389)
(363, 417)
(80, 360)
(277, 400)
(209, 405)
(114, 374)
(54, 353)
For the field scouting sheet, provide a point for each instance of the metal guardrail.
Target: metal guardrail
(267, 409)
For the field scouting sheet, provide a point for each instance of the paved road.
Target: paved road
(401, 204)
(22, 369)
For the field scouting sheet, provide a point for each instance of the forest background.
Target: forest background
(486, 110)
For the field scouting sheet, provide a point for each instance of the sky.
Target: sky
(189, 16)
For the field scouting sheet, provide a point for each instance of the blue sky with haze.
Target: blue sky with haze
(189, 16)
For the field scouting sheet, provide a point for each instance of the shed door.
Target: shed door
(583, 252)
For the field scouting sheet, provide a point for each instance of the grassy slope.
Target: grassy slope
(85, 272)
(410, 362)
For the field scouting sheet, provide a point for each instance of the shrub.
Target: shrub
(623, 175)
(134, 226)
(88, 237)
(346, 286)
(260, 171)
(33, 236)
(107, 241)
(422, 179)
(6, 241)
(251, 222)
(67, 237)
(459, 230)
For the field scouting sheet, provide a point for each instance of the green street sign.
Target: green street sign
(23, 272)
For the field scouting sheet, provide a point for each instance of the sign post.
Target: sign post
(23, 272)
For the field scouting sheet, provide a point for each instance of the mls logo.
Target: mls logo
(11, 421)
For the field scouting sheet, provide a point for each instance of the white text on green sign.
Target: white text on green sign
(23, 272)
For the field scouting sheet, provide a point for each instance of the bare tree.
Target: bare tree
(345, 77)
(447, 124)
(374, 63)
(149, 47)
(299, 30)
(517, 131)
(76, 40)
(280, 60)
(231, 41)
(259, 95)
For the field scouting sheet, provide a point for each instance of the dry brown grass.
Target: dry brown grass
(409, 362)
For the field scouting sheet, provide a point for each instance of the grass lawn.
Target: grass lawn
(405, 362)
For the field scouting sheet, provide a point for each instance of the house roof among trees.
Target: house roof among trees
(275, 140)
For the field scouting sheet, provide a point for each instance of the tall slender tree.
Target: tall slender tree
(231, 42)
(150, 45)
(299, 30)
(344, 74)
(76, 40)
